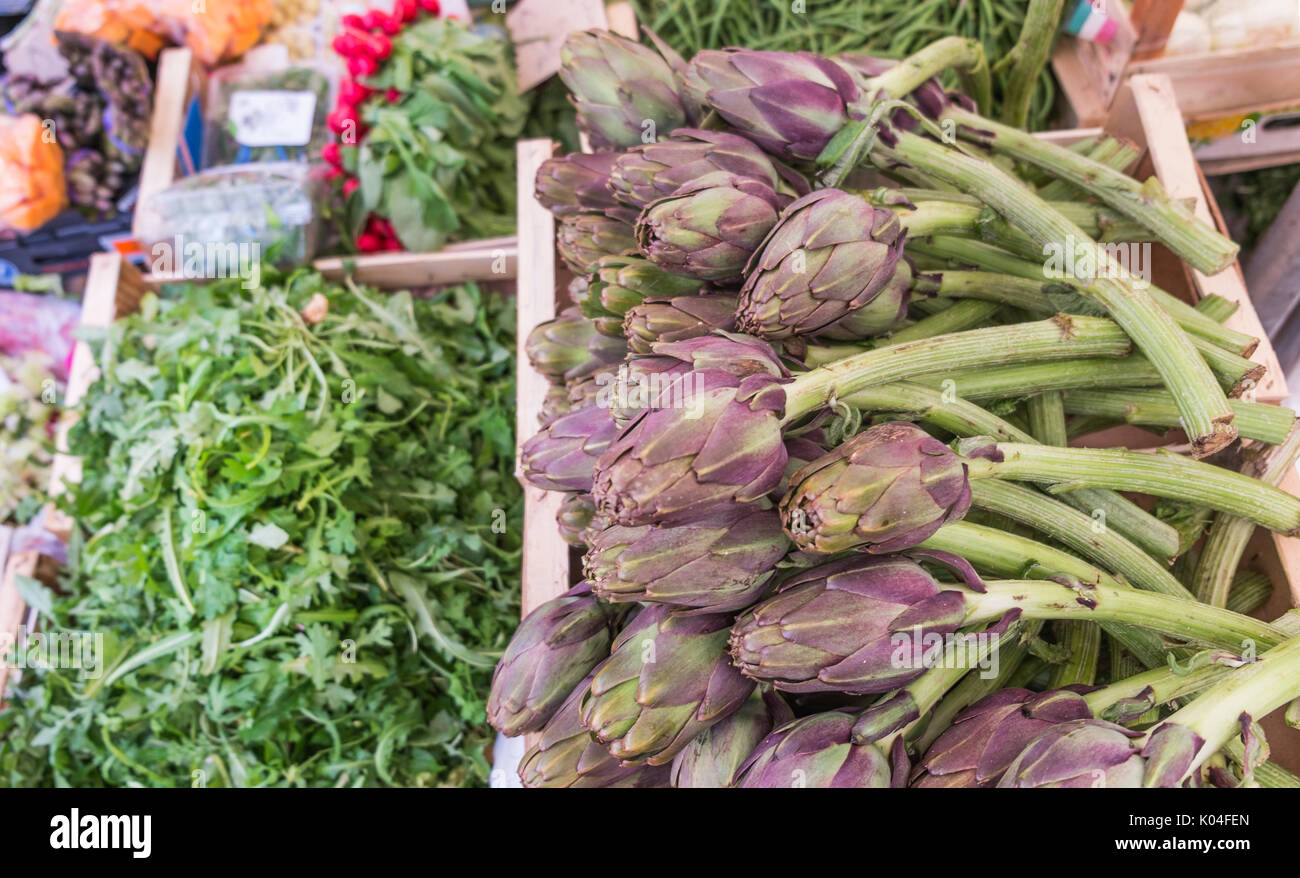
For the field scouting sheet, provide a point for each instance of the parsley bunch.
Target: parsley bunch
(300, 542)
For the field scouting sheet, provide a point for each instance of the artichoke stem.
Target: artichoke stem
(1147, 203)
(1174, 617)
(1166, 684)
(1202, 403)
(1160, 474)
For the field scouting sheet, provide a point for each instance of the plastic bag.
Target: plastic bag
(225, 221)
(216, 30)
(257, 114)
(32, 186)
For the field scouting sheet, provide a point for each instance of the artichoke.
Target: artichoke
(789, 103)
(715, 755)
(624, 93)
(985, 738)
(577, 183)
(719, 563)
(883, 314)
(830, 254)
(1079, 753)
(552, 650)
(710, 227)
(646, 173)
(562, 456)
(568, 348)
(582, 240)
(621, 282)
(677, 319)
(854, 625)
(574, 517)
(672, 464)
(888, 488)
(666, 680)
(816, 751)
(566, 755)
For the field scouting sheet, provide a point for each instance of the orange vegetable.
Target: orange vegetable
(216, 30)
(32, 188)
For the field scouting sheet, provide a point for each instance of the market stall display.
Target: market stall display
(705, 426)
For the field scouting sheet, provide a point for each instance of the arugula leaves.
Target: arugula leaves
(300, 543)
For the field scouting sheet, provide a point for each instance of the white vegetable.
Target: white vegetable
(1253, 24)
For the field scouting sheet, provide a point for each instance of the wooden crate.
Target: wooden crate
(180, 82)
(1209, 86)
(1145, 113)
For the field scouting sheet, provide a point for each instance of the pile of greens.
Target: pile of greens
(886, 28)
(28, 391)
(299, 539)
(439, 161)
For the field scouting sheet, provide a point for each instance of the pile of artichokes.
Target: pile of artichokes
(812, 428)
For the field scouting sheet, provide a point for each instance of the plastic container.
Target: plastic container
(256, 114)
(267, 210)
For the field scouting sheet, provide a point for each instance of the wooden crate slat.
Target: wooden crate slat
(178, 79)
(491, 259)
(545, 571)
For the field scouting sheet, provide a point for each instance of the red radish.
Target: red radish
(391, 24)
(371, 20)
(332, 174)
(343, 118)
(331, 153)
(383, 227)
(353, 20)
(393, 244)
(345, 44)
(431, 6)
(362, 65)
(393, 95)
(406, 10)
(368, 243)
(353, 92)
(350, 185)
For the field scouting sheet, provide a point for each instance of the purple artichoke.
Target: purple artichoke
(646, 173)
(888, 488)
(1079, 753)
(857, 625)
(719, 563)
(620, 282)
(566, 755)
(624, 93)
(677, 319)
(883, 314)
(789, 103)
(830, 254)
(577, 183)
(563, 455)
(710, 227)
(666, 680)
(715, 755)
(554, 648)
(568, 348)
(583, 240)
(816, 751)
(675, 464)
(574, 518)
(985, 738)
(668, 379)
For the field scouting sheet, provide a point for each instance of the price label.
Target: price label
(272, 118)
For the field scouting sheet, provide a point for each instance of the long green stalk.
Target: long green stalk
(1255, 690)
(1155, 408)
(1027, 58)
(1174, 617)
(963, 418)
(1165, 685)
(1058, 338)
(1161, 474)
(1226, 543)
(1172, 221)
(990, 258)
(1109, 151)
(1092, 538)
(1206, 417)
(1269, 775)
(1012, 381)
(960, 317)
(999, 553)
